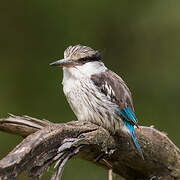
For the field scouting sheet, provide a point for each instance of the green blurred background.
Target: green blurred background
(140, 40)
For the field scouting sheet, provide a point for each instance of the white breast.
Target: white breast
(72, 76)
(87, 102)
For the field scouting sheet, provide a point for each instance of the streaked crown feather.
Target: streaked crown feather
(78, 52)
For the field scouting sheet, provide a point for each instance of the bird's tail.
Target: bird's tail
(136, 144)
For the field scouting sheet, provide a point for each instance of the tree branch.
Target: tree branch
(48, 142)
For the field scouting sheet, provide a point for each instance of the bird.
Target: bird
(97, 94)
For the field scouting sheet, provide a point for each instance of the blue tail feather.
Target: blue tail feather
(131, 130)
(129, 121)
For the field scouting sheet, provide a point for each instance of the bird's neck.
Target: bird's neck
(84, 71)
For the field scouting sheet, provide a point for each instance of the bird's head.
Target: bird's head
(77, 56)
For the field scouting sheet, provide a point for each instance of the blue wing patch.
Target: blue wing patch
(128, 114)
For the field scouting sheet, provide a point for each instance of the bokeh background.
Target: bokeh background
(139, 40)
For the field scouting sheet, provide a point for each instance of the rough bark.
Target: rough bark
(48, 142)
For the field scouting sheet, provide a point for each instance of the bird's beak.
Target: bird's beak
(63, 63)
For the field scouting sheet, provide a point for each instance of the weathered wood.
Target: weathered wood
(48, 142)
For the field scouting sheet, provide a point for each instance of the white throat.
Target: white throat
(84, 71)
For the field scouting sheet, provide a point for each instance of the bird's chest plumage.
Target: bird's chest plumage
(76, 97)
(81, 97)
(89, 104)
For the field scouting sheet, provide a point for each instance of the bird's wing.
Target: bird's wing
(111, 85)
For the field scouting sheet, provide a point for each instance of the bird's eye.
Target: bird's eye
(95, 57)
(83, 60)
